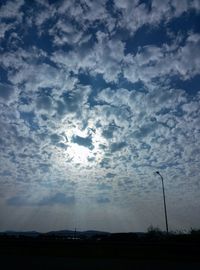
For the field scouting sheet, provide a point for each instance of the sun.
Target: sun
(79, 153)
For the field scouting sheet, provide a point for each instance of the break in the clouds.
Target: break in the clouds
(95, 96)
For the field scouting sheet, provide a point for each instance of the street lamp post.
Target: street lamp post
(165, 208)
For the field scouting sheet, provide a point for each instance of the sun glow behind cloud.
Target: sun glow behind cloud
(85, 156)
(79, 154)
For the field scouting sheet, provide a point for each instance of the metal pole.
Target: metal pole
(165, 208)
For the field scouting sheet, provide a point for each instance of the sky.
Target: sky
(95, 96)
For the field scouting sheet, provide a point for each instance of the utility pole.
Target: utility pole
(164, 201)
(75, 234)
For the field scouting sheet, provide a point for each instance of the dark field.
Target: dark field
(36, 253)
(45, 262)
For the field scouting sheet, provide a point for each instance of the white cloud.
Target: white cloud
(104, 58)
(11, 10)
(135, 14)
(154, 61)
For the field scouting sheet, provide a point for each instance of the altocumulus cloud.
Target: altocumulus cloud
(94, 97)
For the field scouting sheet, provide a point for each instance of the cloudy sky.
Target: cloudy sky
(95, 96)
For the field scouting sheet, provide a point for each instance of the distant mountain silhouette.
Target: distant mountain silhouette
(18, 233)
(64, 233)
(69, 233)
